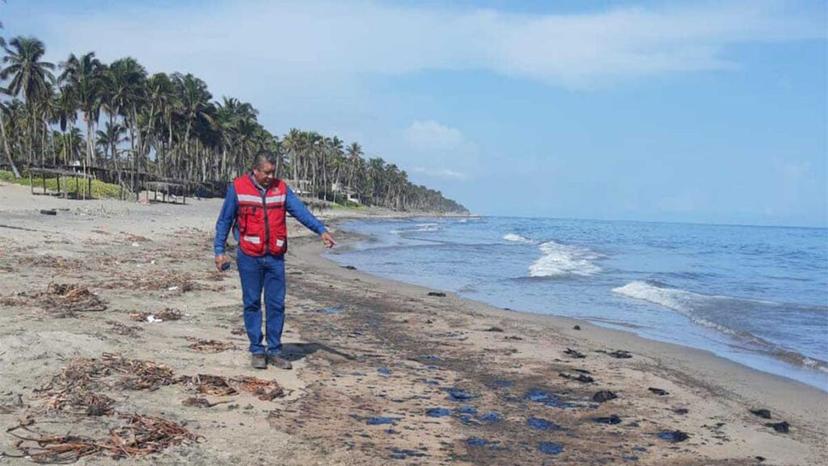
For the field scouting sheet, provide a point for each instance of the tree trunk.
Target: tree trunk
(6, 146)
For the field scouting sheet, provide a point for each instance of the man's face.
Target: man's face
(264, 173)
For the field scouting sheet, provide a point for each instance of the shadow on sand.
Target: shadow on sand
(296, 351)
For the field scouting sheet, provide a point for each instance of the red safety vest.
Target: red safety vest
(261, 219)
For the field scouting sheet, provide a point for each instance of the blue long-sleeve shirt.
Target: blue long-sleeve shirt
(227, 217)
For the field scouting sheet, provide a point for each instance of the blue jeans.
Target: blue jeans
(268, 273)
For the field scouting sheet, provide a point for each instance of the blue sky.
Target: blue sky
(652, 110)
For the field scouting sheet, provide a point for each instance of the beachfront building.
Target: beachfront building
(350, 194)
(299, 187)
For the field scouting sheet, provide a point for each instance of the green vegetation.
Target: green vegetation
(100, 190)
(124, 122)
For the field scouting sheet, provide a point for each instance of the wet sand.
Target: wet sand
(383, 372)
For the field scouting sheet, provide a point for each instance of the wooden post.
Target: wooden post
(89, 184)
(58, 184)
(43, 174)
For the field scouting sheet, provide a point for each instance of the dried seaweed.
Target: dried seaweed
(60, 300)
(138, 374)
(138, 436)
(166, 314)
(209, 346)
(197, 402)
(82, 401)
(152, 281)
(125, 330)
(50, 261)
(207, 384)
(263, 389)
(85, 374)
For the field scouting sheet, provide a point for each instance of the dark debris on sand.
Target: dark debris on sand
(583, 378)
(603, 396)
(673, 436)
(781, 427)
(617, 354)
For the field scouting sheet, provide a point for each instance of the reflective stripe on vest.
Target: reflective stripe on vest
(253, 239)
(249, 198)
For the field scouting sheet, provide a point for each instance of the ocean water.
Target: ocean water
(755, 295)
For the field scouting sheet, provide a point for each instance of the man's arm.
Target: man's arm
(225, 220)
(297, 209)
(300, 212)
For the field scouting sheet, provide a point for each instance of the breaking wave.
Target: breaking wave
(426, 227)
(702, 310)
(561, 260)
(517, 238)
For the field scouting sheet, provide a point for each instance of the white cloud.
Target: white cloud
(430, 135)
(439, 151)
(255, 44)
(444, 173)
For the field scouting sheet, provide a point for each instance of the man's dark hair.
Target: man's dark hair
(263, 157)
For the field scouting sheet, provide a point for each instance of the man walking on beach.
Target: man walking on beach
(256, 206)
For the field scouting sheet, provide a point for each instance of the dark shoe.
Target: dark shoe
(279, 362)
(258, 361)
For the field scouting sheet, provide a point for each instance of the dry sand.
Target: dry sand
(371, 358)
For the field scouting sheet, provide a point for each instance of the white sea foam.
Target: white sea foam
(683, 302)
(561, 260)
(672, 298)
(427, 227)
(517, 238)
(692, 304)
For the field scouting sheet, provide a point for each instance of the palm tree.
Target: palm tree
(69, 144)
(123, 93)
(4, 111)
(291, 144)
(83, 75)
(110, 138)
(31, 78)
(158, 117)
(194, 104)
(354, 152)
(174, 130)
(64, 112)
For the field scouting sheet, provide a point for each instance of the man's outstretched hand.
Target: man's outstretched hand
(328, 239)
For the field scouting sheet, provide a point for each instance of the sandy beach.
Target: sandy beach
(384, 372)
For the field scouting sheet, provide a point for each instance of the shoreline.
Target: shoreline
(382, 371)
(706, 363)
(783, 363)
